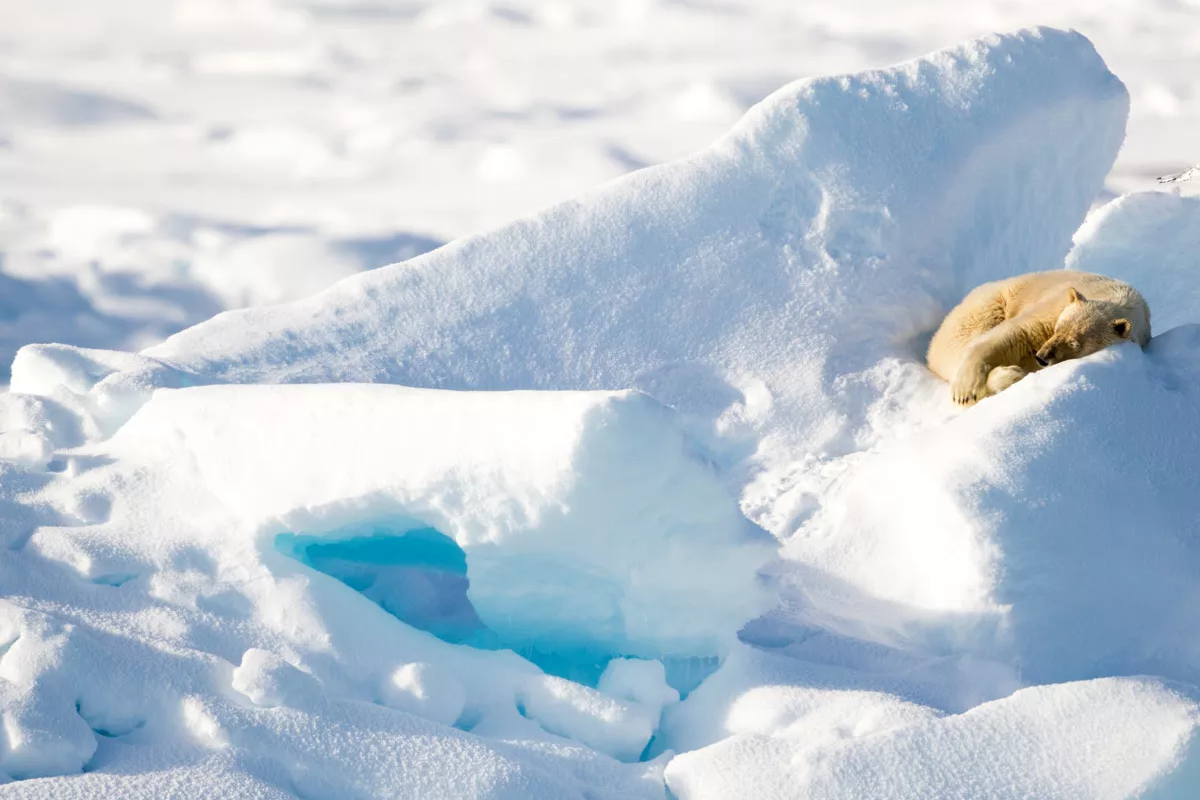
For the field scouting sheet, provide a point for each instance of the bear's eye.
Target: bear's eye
(1074, 343)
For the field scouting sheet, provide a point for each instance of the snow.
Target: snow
(817, 207)
(267, 680)
(369, 127)
(647, 493)
(635, 547)
(1113, 242)
(639, 681)
(1101, 739)
(421, 690)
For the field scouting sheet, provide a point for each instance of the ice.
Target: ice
(240, 559)
(172, 528)
(527, 485)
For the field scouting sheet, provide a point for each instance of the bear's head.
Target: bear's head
(1084, 327)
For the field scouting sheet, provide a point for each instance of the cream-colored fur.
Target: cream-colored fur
(1002, 331)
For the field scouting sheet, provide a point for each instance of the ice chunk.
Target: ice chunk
(588, 521)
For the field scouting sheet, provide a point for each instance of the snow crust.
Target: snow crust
(720, 346)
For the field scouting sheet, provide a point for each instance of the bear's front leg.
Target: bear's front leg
(970, 381)
(999, 349)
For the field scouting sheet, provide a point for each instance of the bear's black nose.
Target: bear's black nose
(1038, 358)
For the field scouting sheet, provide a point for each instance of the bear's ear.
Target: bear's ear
(1074, 295)
(1122, 328)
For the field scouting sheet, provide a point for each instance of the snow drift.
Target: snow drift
(768, 298)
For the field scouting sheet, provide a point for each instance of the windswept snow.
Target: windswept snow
(603, 407)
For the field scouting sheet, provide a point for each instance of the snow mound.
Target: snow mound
(588, 520)
(757, 692)
(638, 681)
(1151, 240)
(1096, 740)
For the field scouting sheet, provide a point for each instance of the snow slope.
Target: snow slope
(221, 573)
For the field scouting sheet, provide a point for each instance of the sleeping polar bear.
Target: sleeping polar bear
(1004, 330)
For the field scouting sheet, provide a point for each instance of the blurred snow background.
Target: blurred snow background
(163, 161)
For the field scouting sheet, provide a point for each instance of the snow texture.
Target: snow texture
(222, 585)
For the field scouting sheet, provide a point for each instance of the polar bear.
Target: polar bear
(1002, 331)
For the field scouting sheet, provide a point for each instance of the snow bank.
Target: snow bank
(1096, 740)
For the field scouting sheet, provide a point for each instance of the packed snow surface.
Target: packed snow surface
(670, 439)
